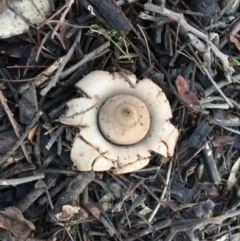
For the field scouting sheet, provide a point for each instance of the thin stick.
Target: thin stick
(21, 180)
(15, 125)
(163, 192)
(223, 106)
(178, 17)
(86, 58)
(211, 99)
(68, 6)
(54, 80)
(213, 82)
(42, 77)
(207, 92)
(122, 72)
(24, 135)
(148, 51)
(41, 45)
(52, 16)
(54, 137)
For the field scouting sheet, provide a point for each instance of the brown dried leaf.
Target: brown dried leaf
(12, 220)
(235, 41)
(184, 92)
(32, 133)
(92, 208)
(222, 141)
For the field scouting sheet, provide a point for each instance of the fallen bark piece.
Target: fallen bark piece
(28, 104)
(199, 135)
(12, 220)
(211, 163)
(113, 15)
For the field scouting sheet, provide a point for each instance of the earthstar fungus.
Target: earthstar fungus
(119, 125)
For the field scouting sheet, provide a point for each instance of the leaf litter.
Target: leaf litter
(190, 49)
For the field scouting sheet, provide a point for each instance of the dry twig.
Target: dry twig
(95, 53)
(179, 18)
(166, 186)
(21, 180)
(15, 126)
(66, 58)
(68, 6)
(23, 136)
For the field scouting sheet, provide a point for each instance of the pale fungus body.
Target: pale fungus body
(124, 120)
(120, 125)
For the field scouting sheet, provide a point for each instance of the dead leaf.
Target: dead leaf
(145, 210)
(184, 92)
(68, 211)
(12, 220)
(235, 41)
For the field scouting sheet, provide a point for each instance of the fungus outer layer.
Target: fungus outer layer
(100, 86)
